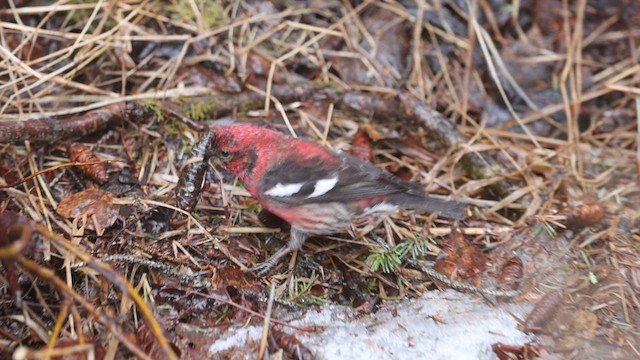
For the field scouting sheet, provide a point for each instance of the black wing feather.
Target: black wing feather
(357, 179)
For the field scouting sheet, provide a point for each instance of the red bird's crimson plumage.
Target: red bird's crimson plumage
(316, 190)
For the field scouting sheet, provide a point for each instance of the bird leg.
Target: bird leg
(296, 240)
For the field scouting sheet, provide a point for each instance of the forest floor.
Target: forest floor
(527, 111)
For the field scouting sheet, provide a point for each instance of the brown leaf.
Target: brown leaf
(8, 172)
(91, 202)
(471, 260)
(445, 267)
(15, 233)
(460, 259)
(510, 274)
(232, 276)
(402, 172)
(362, 147)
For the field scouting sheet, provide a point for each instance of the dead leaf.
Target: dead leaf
(361, 146)
(510, 274)
(91, 202)
(461, 259)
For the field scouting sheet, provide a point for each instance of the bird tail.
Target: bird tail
(429, 203)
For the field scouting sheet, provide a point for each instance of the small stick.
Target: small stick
(458, 285)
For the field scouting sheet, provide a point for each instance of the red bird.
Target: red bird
(316, 190)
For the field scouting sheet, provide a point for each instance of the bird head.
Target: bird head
(238, 147)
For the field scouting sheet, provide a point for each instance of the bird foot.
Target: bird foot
(263, 268)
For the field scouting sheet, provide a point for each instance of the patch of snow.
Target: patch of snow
(235, 337)
(439, 325)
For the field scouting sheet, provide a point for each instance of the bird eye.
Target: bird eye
(225, 155)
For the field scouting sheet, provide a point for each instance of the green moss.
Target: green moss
(152, 106)
(244, 107)
(198, 110)
(213, 14)
(180, 10)
(77, 18)
(169, 124)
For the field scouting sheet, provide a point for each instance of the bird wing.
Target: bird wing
(316, 181)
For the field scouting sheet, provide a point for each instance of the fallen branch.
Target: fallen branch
(441, 131)
(48, 130)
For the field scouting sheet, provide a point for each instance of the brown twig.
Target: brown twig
(47, 130)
